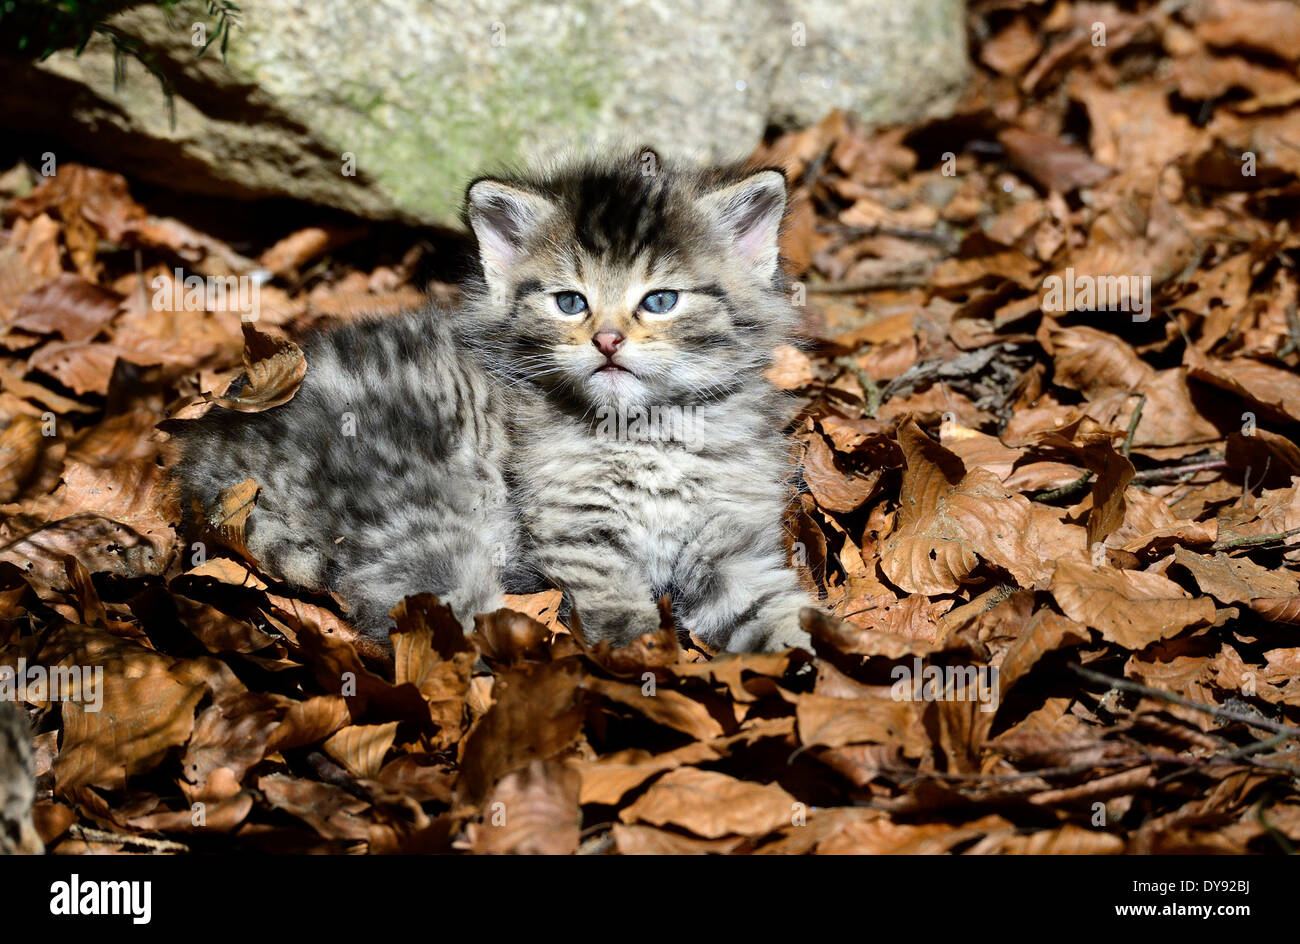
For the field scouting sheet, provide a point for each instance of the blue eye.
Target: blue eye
(571, 303)
(657, 303)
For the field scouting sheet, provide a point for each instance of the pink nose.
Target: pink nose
(607, 342)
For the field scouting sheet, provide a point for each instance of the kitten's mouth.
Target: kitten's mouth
(611, 367)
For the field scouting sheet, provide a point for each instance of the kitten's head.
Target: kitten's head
(631, 283)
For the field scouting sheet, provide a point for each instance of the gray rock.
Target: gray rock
(425, 95)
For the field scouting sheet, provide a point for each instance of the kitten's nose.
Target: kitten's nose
(607, 342)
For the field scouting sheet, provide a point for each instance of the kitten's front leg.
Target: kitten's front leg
(613, 599)
(748, 602)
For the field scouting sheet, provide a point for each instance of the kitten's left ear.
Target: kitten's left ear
(504, 218)
(749, 213)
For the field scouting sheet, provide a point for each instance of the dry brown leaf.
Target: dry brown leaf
(646, 840)
(1013, 48)
(330, 810)
(431, 653)
(883, 837)
(1264, 457)
(119, 438)
(606, 779)
(537, 712)
(1052, 163)
(507, 636)
(533, 811)
(1044, 633)
(117, 519)
(229, 737)
(27, 261)
(1240, 580)
(274, 369)
(1272, 26)
(544, 607)
(304, 245)
(69, 306)
(1273, 390)
(1130, 608)
(834, 722)
(1093, 362)
(228, 571)
(145, 708)
(361, 747)
(835, 490)
(230, 516)
(665, 707)
(20, 446)
(1068, 840)
(309, 722)
(951, 519)
(712, 805)
(791, 369)
(85, 366)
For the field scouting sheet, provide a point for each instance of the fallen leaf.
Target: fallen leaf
(533, 811)
(712, 804)
(1130, 608)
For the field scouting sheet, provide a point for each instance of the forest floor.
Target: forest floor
(1048, 405)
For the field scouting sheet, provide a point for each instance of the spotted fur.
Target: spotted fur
(492, 451)
(17, 784)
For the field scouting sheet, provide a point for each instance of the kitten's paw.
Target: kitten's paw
(629, 630)
(618, 627)
(787, 636)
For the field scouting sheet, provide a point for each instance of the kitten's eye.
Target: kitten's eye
(659, 303)
(571, 304)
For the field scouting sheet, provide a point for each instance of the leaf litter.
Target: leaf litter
(1089, 510)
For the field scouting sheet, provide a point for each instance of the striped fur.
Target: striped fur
(491, 451)
(17, 784)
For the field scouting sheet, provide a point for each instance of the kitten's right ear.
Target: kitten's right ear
(504, 217)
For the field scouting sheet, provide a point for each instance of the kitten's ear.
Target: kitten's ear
(749, 213)
(504, 217)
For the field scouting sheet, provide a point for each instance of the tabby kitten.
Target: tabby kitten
(17, 784)
(593, 417)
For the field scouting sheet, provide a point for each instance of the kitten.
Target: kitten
(17, 784)
(594, 416)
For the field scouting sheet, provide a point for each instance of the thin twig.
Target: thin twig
(1254, 541)
(902, 275)
(1254, 747)
(1277, 835)
(1245, 480)
(90, 834)
(1293, 327)
(938, 237)
(869, 386)
(597, 845)
(1174, 471)
(1225, 713)
(869, 285)
(1133, 424)
(1078, 485)
(907, 774)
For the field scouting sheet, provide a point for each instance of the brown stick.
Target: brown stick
(1293, 326)
(1133, 424)
(902, 275)
(1077, 485)
(1226, 714)
(1254, 541)
(1155, 475)
(89, 834)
